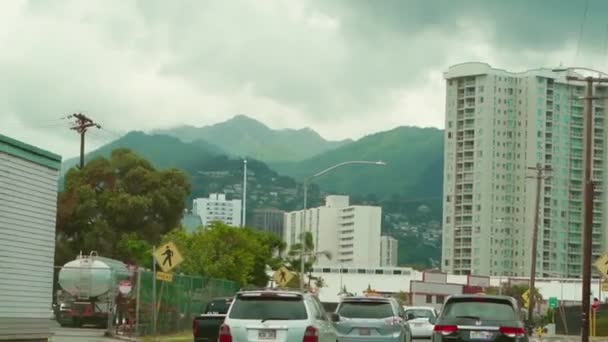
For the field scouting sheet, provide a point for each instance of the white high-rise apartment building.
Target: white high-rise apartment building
(498, 125)
(350, 233)
(218, 208)
(389, 251)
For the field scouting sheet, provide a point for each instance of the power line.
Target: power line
(580, 34)
(81, 125)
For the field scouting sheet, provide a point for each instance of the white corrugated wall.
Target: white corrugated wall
(28, 200)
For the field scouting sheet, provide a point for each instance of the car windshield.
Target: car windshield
(269, 308)
(419, 313)
(366, 309)
(480, 308)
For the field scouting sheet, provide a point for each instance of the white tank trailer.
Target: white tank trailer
(89, 286)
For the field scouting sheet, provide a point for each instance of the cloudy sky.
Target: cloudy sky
(345, 68)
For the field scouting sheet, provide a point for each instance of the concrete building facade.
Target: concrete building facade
(217, 208)
(389, 251)
(350, 233)
(269, 220)
(499, 124)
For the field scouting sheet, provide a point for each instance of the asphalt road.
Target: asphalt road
(78, 335)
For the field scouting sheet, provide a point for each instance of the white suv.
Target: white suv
(277, 316)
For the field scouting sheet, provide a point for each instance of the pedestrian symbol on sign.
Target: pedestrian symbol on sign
(283, 276)
(168, 255)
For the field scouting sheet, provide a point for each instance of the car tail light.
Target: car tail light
(445, 329)
(311, 335)
(225, 335)
(512, 332)
(194, 328)
(393, 321)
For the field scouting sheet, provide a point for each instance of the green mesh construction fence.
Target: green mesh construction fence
(177, 302)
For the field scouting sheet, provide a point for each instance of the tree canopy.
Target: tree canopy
(113, 202)
(222, 251)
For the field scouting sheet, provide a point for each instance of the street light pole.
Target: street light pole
(244, 220)
(305, 184)
(587, 196)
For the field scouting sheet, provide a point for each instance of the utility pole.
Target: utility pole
(532, 290)
(587, 198)
(244, 193)
(82, 124)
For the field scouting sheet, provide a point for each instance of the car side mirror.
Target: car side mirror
(334, 317)
(433, 320)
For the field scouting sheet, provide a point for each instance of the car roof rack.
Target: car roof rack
(267, 288)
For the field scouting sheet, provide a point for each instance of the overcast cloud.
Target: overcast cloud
(345, 68)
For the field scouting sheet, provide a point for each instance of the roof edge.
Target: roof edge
(31, 153)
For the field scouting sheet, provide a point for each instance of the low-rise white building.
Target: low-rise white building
(350, 233)
(395, 280)
(218, 208)
(389, 251)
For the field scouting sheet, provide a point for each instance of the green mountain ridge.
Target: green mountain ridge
(414, 170)
(244, 136)
(162, 150)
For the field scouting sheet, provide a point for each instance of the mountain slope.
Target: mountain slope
(244, 136)
(162, 150)
(414, 169)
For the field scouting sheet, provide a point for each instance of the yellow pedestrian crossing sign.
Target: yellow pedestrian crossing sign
(526, 298)
(602, 265)
(168, 256)
(283, 276)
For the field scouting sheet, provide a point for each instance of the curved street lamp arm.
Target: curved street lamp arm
(345, 163)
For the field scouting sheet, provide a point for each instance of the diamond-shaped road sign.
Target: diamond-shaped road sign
(283, 276)
(168, 257)
(526, 298)
(602, 265)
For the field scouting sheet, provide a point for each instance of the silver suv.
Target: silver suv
(277, 315)
(368, 319)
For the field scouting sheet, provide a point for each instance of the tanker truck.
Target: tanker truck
(89, 286)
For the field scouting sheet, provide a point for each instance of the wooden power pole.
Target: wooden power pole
(81, 125)
(587, 198)
(532, 290)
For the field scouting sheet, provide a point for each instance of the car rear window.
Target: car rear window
(481, 308)
(366, 309)
(218, 307)
(269, 308)
(419, 313)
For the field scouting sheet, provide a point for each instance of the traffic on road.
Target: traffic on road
(296, 316)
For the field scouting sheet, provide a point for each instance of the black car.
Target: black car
(479, 318)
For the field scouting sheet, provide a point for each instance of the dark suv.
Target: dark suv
(479, 318)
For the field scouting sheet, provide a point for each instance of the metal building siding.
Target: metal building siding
(28, 200)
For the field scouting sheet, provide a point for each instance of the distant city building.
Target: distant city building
(191, 221)
(498, 125)
(218, 208)
(350, 233)
(269, 220)
(389, 251)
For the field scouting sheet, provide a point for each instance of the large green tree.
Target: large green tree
(113, 202)
(225, 252)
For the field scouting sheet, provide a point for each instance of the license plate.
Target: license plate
(364, 332)
(481, 335)
(267, 334)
